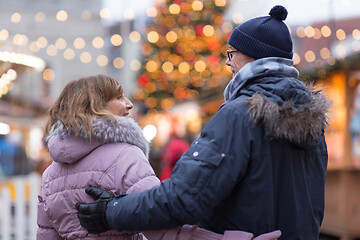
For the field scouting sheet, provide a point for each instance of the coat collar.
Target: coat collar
(106, 130)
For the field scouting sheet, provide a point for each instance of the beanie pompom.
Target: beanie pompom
(278, 12)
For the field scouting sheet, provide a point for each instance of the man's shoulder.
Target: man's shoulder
(239, 104)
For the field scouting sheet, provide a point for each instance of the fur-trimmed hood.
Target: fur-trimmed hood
(301, 124)
(125, 130)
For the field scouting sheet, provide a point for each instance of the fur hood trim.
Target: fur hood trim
(125, 130)
(302, 124)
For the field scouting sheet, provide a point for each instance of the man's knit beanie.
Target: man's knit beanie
(264, 36)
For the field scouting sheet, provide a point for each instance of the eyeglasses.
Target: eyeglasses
(230, 53)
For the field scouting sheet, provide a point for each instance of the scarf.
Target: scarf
(257, 67)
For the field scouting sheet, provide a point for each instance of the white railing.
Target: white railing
(18, 207)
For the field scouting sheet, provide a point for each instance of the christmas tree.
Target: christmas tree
(184, 53)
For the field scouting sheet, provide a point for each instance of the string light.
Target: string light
(39, 17)
(4, 35)
(62, 16)
(69, 54)
(116, 40)
(118, 63)
(85, 57)
(48, 74)
(134, 36)
(326, 31)
(79, 43)
(102, 60)
(15, 17)
(23, 59)
(60, 43)
(98, 42)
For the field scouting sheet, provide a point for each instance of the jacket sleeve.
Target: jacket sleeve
(204, 176)
(45, 230)
(134, 172)
(139, 176)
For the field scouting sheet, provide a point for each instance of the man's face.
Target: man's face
(237, 60)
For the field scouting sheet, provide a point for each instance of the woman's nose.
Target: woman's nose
(129, 104)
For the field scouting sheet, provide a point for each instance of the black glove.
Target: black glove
(92, 216)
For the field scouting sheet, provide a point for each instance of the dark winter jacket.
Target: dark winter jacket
(259, 165)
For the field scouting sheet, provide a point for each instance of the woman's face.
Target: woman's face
(120, 106)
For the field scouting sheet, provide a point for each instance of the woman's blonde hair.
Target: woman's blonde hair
(81, 100)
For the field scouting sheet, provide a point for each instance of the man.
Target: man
(260, 162)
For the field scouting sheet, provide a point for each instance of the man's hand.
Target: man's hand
(92, 216)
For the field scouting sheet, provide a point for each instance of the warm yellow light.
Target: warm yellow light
(20, 39)
(184, 67)
(151, 12)
(69, 54)
(51, 50)
(174, 9)
(200, 66)
(356, 34)
(153, 37)
(326, 31)
(135, 65)
(341, 50)
(220, 3)
(16, 17)
(151, 66)
(118, 62)
(116, 40)
(237, 18)
(171, 37)
(105, 13)
(310, 56)
(134, 36)
(41, 42)
(300, 31)
(60, 43)
(4, 35)
(23, 59)
(33, 47)
(151, 102)
(61, 16)
(79, 43)
(40, 17)
(208, 30)
(167, 103)
(197, 5)
(227, 27)
(98, 42)
(309, 31)
(355, 46)
(325, 53)
(296, 58)
(129, 14)
(317, 33)
(167, 67)
(48, 74)
(190, 34)
(4, 90)
(86, 15)
(340, 34)
(102, 60)
(85, 57)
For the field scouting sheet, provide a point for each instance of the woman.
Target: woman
(93, 142)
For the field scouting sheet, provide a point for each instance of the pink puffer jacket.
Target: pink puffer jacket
(115, 159)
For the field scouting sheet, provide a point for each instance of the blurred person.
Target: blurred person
(171, 153)
(260, 162)
(93, 141)
(22, 164)
(13, 159)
